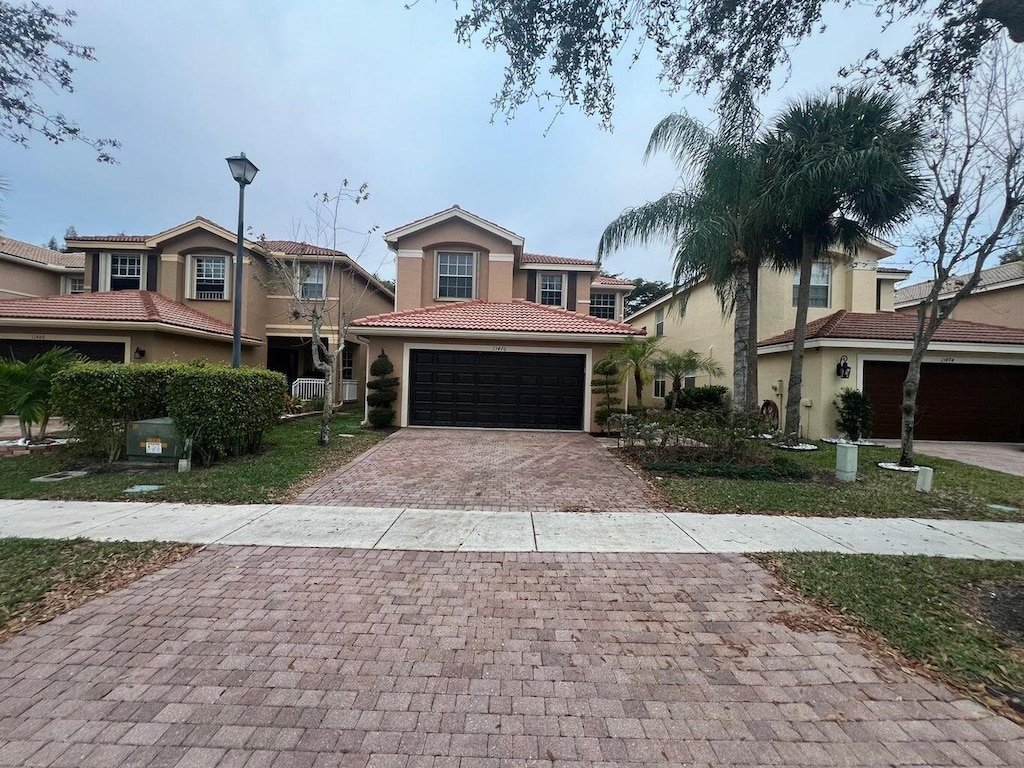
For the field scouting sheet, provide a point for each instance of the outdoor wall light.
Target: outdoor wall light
(242, 171)
(139, 353)
(843, 368)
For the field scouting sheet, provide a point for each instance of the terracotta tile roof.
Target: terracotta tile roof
(604, 280)
(295, 248)
(899, 326)
(518, 316)
(35, 253)
(990, 278)
(111, 238)
(115, 306)
(543, 258)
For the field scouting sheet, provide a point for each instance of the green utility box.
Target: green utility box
(154, 440)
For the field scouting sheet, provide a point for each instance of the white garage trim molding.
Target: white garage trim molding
(587, 352)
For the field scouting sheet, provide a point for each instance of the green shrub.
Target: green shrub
(383, 392)
(605, 386)
(97, 400)
(855, 414)
(224, 410)
(781, 468)
(707, 398)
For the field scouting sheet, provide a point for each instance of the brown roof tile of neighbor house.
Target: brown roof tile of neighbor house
(29, 252)
(543, 258)
(990, 278)
(518, 316)
(898, 326)
(111, 238)
(604, 280)
(115, 306)
(296, 248)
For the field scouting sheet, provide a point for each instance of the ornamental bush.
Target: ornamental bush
(383, 392)
(605, 386)
(97, 400)
(707, 398)
(225, 410)
(855, 414)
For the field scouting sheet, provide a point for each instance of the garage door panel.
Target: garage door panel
(955, 402)
(496, 389)
(26, 349)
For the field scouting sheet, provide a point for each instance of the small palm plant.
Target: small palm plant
(25, 389)
(637, 357)
(678, 365)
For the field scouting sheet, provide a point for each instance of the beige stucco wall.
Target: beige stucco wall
(394, 347)
(416, 277)
(1004, 306)
(18, 281)
(705, 328)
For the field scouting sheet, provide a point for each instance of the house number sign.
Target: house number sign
(499, 349)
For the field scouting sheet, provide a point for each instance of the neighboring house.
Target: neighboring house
(998, 299)
(28, 270)
(852, 316)
(485, 334)
(168, 296)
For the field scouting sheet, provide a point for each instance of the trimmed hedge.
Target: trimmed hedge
(783, 469)
(225, 410)
(383, 391)
(222, 409)
(97, 400)
(706, 398)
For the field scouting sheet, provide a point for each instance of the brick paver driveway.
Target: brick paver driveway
(313, 657)
(511, 470)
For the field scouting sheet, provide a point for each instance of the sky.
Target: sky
(314, 92)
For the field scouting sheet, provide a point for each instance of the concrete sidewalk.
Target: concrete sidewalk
(444, 530)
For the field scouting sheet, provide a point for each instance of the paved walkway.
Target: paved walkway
(494, 469)
(458, 530)
(317, 658)
(1004, 457)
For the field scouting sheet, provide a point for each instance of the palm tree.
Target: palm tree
(637, 356)
(25, 389)
(840, 168)
(718, 226)
(679, 365)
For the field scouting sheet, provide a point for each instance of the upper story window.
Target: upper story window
(456, 274)
(603, 305)
(821, 284)
(125, 272)
(74, 284)
(552, 289)
(209, 278)
(313, 281)
(659, 322)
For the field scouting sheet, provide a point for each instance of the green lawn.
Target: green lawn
(961, 491)
(290, 458)
(41, 578)
(924, 607)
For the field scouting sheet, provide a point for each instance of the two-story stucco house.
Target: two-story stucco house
(28, 270)
(169, 296)
(998, 299)
(486, 334)
(856, 338)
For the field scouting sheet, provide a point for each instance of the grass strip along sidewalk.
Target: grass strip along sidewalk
(290, 459)
(960, 620)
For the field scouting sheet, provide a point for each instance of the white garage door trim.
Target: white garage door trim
(587, 352)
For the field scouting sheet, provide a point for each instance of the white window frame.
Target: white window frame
(348, 363)
(615, 296)
(67, 288)
(822, 271)
(563, 277)
(191, 270)
(659, 322)
(473, 263)
(660, 384)
(107, 263)
(305, 270)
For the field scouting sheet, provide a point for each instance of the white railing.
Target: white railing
(307, 389)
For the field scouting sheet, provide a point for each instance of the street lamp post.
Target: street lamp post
(242, 171)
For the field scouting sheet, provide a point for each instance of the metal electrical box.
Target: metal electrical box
(154, 440)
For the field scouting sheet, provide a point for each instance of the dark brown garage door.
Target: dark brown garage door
(955, 402)
(451, 388)
(26, 349)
